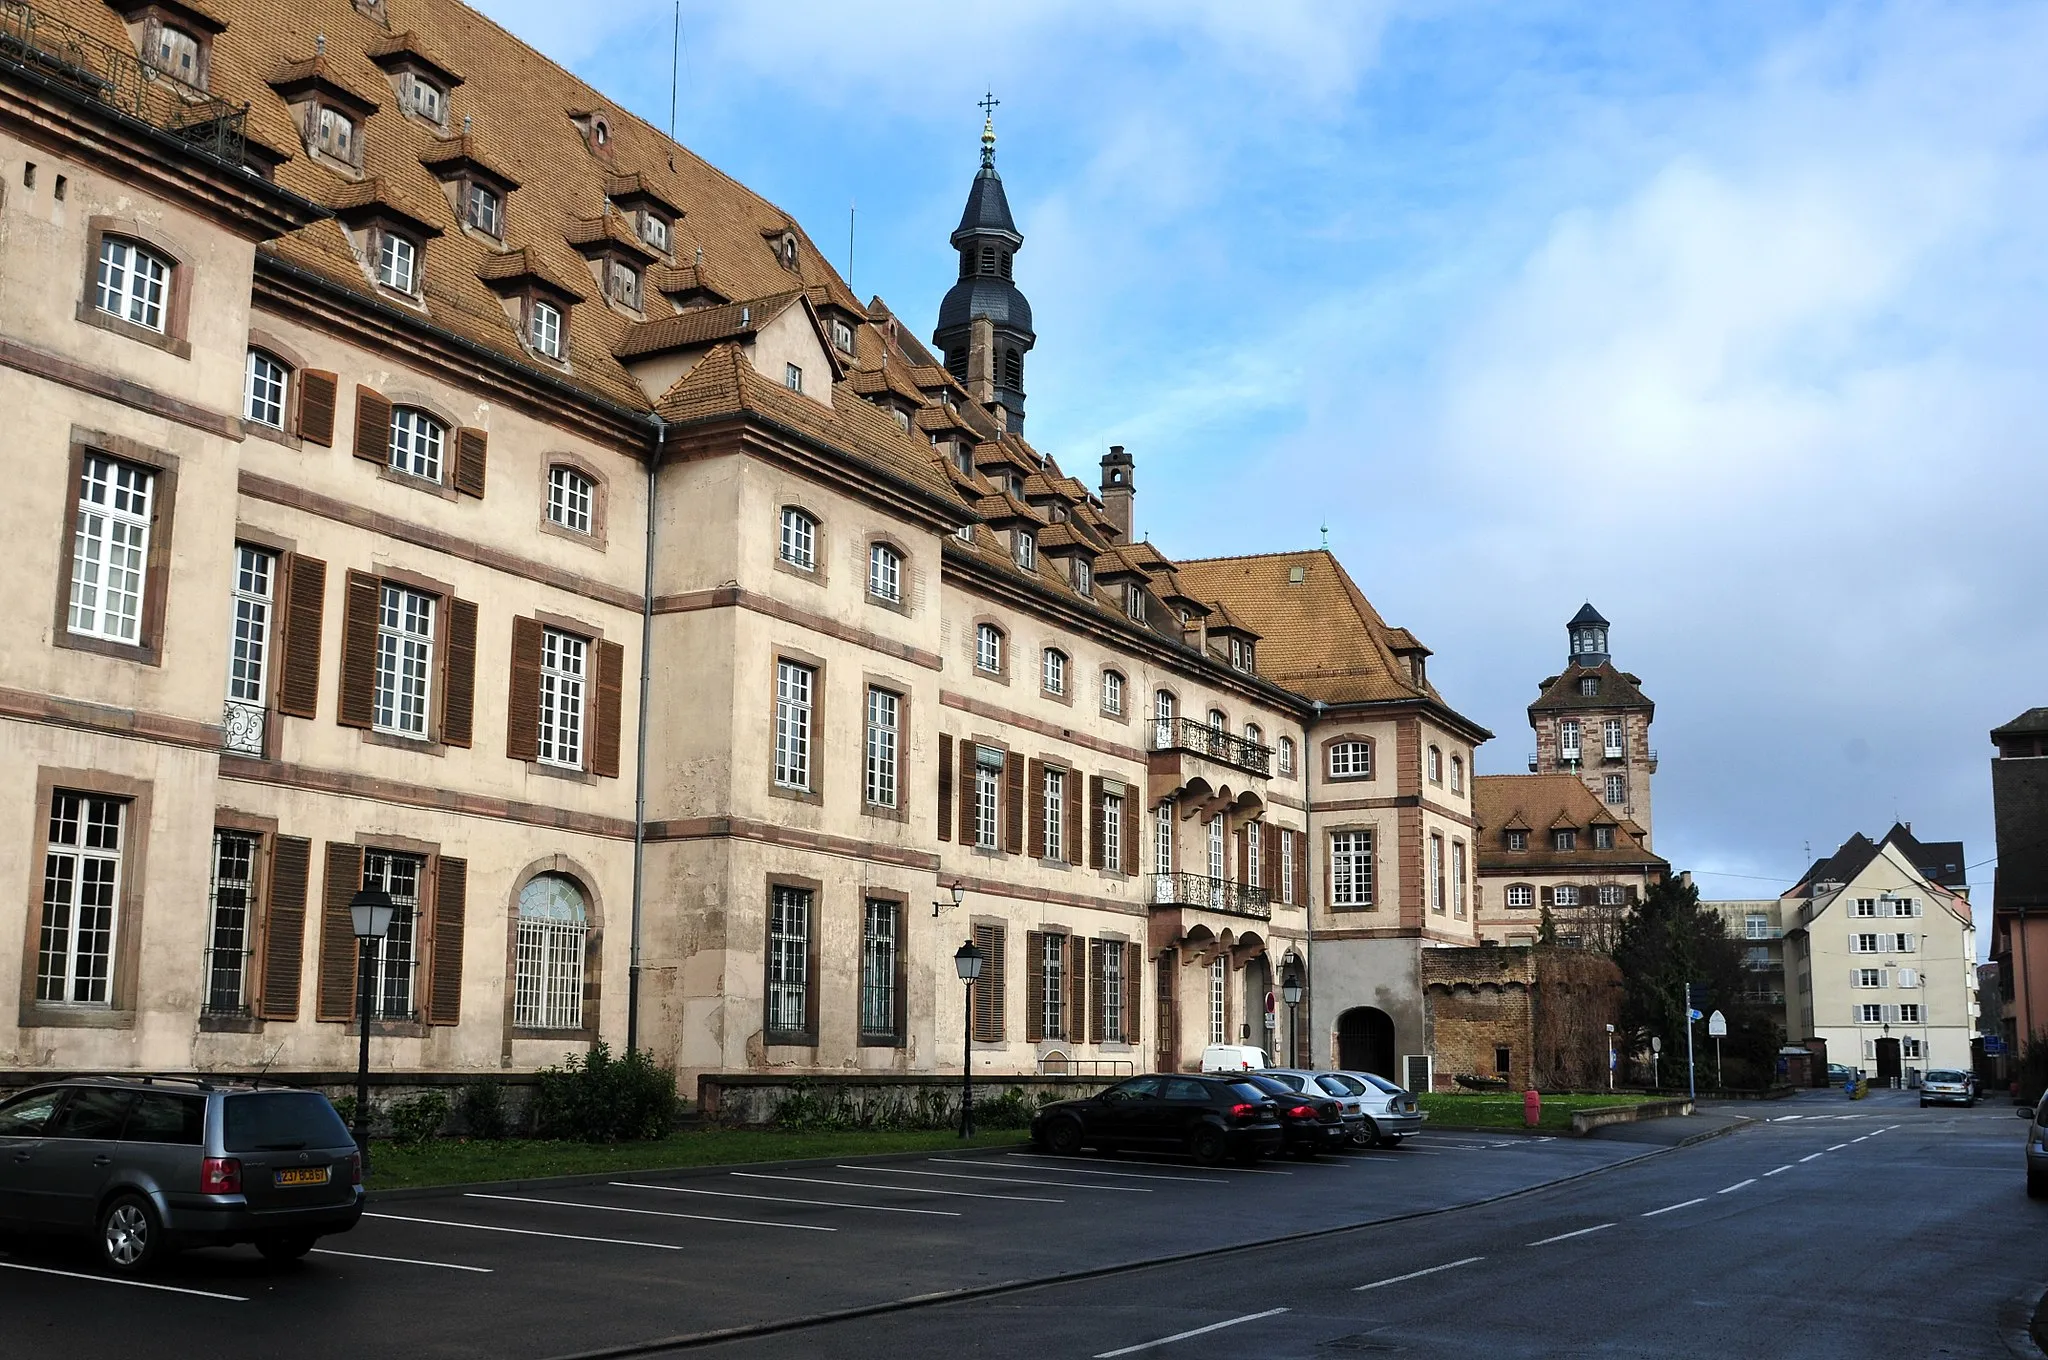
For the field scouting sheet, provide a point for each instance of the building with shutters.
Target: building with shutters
(1548, 844)
(429, 478)
(1592, 721)
(1881, 955)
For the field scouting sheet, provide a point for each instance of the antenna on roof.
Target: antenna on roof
(851, 208)
(675, 59)
(1326, 535)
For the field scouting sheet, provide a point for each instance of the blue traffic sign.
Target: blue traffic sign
(1993, 1045)
(1692, 1015)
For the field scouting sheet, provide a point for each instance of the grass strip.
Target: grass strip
(1504, 1111)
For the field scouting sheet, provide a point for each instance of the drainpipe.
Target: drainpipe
(640, 749)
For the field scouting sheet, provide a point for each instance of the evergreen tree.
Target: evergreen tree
(1546, 926)
(1668, 940)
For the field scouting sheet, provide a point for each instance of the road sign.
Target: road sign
(1993, 1045)
(1717, 1026)
(1656, 1044)
(1692, 1015)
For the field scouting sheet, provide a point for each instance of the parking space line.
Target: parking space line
(1229, 1170)
(1669, 1207)
(527, 1232)
(1737, 1186)
(999, 1180)
(911, 1190)
(1417, 1274)
(656, 1213)
(1197, 1331)
(132, 1284)
(1087, 1171)
(1811, 1156)
(782, 1199)
(1566, 1236)
(402, 1260)
(1786, 1167)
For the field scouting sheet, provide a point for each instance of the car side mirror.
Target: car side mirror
(2024, 1112)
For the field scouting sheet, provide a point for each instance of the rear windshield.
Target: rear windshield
(1245, 1090)
(1337, 1084)
(1265, 1086)
(1943, 1074)
(281, 1121)
(1382, 1083)
(1287, 1079)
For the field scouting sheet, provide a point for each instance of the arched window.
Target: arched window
(1254, 735)
(548, 981)
(799, 542)
(1436, 765)
(134, 284)
(1113, 693)
(1218, 721)
(264, 390)
(1162, 720)
(885, 573)
(1457, 774)
(417, 440)
(988, 649)
(988, 259)
(1351, 760)
(1055, 671)
(1287, 755)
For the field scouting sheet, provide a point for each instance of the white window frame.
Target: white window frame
(1219, 1000)
(134, 283)
(1113, 693)
(484, 209)
(1053, 794)
(1909, 1013)
(792, 377)
(110, 549)
(1162, 838)
(1865, 906)
(1610, 895)
(1905, 906)
(1254, 855)
(1113, 832)
(1617, 790)
(881, 919)
(1869, 1013)
(394, 955)
(842, 336)
(1286, 864)
(1565, 895)
(1218, 856)
(266, 390)
(795, 692)
(251, 623)
(1568, 739)
(1564, 841)
(1024, 548)
(1351, 760)
(1435, 765)
(797, 543)
(1870, 977)
(1084, 576)
(1864, 942)
(1457, 774)
(885, 573)
(988, 649)
(1518, 840)
(884, 736)
(1521, 895)
(1286, 755)
(564, 670)
(1458, 878)
(571, 498)
(417, 444)
(988, 780)
(404, 688)
(1904, 943)
(1052, 991)
(1614, 739)
(1603, 838)
(1351, 868)
(83, 875)
(544, 328)
(1756, 926)
(1162, 718)
(1134, 599)
(1436, 873)
(1589, 685)
(1112, 990)
(1054, 666)
(398, 262)
(547, 985)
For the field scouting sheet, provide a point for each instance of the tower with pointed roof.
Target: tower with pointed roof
(984, 327)
(1593, 720)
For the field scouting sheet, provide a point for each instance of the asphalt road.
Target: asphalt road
(1870, 1229)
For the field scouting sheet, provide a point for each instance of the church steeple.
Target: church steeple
(1589, 636)
(984, 323)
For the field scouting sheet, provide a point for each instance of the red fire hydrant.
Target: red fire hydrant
(1532, 1107)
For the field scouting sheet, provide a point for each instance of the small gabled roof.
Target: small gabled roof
(450, 155)
(377, 197)
(1401, 642)
(319, 73)
(1221, 620)
(1000, 509)
(402, 48)
(705, 325)
(632, 185)
(520, 266)
(1588, 616)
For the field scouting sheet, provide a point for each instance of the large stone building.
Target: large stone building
(2019, 895)
(431, 479)
(1592, 721)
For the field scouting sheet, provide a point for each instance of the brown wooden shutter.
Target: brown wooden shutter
(1034, 986)
(1095, 1013)
(1035, 796)
(1132, 830)
(458, 675)
(1077, 971)
(611, 700)
(1013, 804)
(988, 992)
(358, 704)
(305, 604)
(338, 932)
(1269, 861)
(1547, 898)
(472, 449)
(1243, 859)
(1095, 834)
(1134, 990)
(522, 698)
(1076, 820)
(968, 829)
(945, 806)
(1301, 868)
(373, 426)
(284, 928)
(317, 394)
(444, 984)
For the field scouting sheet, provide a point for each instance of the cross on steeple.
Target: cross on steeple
(987, 104)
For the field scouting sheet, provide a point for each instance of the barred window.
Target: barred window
(883, 710)
(132, 283)
(793, 686)
(110, 550)
(81, 897)
(789, 959)
(1351, 869)
(227, 936)
(394, 954)
(878, 968)
(553, 926)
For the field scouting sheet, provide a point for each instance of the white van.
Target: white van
(1233, 1058)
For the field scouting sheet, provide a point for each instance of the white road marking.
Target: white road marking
(132, 1284)
(401, 1260)
(653, 1213)
(1669, 1207)
(1563, 1236)
(1081, 1171)
(1811, 1156)
(527, 1232)
(783, 1199)
(1858, 1140)
(1787, 1118)
(1737, 1186)
(1786, 1167)
(920, 1190)
(998, 1180)
(1182, 1336)
(1233, 1170)
(1417, 1274)
(1838, 1147)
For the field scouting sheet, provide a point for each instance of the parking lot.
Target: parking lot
(567, 1269)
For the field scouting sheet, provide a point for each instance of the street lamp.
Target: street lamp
(1290, 992)
(370, 910)
(958, 890)
(967, 963)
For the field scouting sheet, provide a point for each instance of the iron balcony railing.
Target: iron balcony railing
(241, 728)
(1764, 998)
(1185, 734)
(1764, 965)
(1763, 933)
(1211, 894)
(33, 40)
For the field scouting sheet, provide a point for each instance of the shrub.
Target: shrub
(345, 1106)
(415, 1119)
(601, 1099)
(483, 1110)
(810, 1109)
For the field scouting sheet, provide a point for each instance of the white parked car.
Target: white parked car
(1233, 1058)
(1393, 1113)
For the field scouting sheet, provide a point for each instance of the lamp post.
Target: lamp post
(967, 962)
(370, 911)
(1887, 1039)
(1290, 992)
(958, 890)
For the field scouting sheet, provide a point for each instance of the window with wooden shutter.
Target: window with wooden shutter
(472, 449)
(373, 427)
(1034, 986)
(317, 396)
(305, 605)
(968, 828)
(444, 981)
(1243, 860)
(522, 698)
(1077, 990)
(1095, 1012)
(1301, 870)
(284, 928)
(609, 722)
(1095, 836)
(1013, 804)
(1269, 860)
(1076, 819)
(338, 932)
(1549, 897)
(458, 692)
(358, 693)
(1134, 959)
(1034, 783)
(988, 989)
(1131, 832)
(945, 805)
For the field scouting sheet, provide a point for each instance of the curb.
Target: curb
(749, 1331)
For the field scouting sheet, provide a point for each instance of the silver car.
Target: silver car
(2037, 1148)
(1392, 1112)
(1946, 1086)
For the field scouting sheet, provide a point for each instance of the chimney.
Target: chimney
(981, 360)
(1118, 490)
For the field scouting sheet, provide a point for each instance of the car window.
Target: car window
(1245, 1090)
(1287, 1079)
(1381, 1082)
(1182, 1089)
(1266, 1085)
(159, 1117)
(1944, 1074)
(281, 1121)
(26, 1115)
(1337, 1084)
(1138, 1088)
(93, 1113)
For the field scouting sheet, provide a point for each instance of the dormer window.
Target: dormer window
(544, 329)
(1240, 654)
(600, 134)
(787, 253)
(1518, 840)
(1134, 600)
(1564, 839)
(484, 209)
(902, 418)
(1589, 685)
(398, 262)
(1084, 576)
(335, 134)
(426, 99)
(179, 54)
(793, 377)
(622, 284)
(654, 231)
(1025, 547)
(842, 336)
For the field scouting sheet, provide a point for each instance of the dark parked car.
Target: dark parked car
(147, 1165)
(1210, 1118)
(1312, 1122)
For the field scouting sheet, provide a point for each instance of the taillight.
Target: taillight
(1302, 1112)
(1243, 1111)
(220, 1176)
(355, 1168)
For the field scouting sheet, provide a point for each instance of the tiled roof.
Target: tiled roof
(2029, 723)
(704, 325)
(1618, 689)
(1555, 802)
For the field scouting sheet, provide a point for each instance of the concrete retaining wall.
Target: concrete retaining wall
(748, 1099)
(1585, 1121)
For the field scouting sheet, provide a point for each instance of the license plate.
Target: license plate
(303, 1175)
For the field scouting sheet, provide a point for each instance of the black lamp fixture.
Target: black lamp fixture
(370, 912)
(1291, 992)
(967, 962)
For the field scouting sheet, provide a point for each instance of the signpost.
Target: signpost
(1691, 1087)
(1610, 1059)
(1717, 1030)
(1656, 1057)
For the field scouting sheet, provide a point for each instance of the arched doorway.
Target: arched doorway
(1887, 1062)
(1365, 1042)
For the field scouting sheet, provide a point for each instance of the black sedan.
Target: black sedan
(1311, 1123)
(1209, 1118)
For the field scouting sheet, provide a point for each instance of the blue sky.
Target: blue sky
(1727, 317)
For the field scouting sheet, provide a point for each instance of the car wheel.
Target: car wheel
(2037, 1184)
(1368, 1135)
(286, 1246)
(1207, 1145)
(1063, 1137)
(131, 1236)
